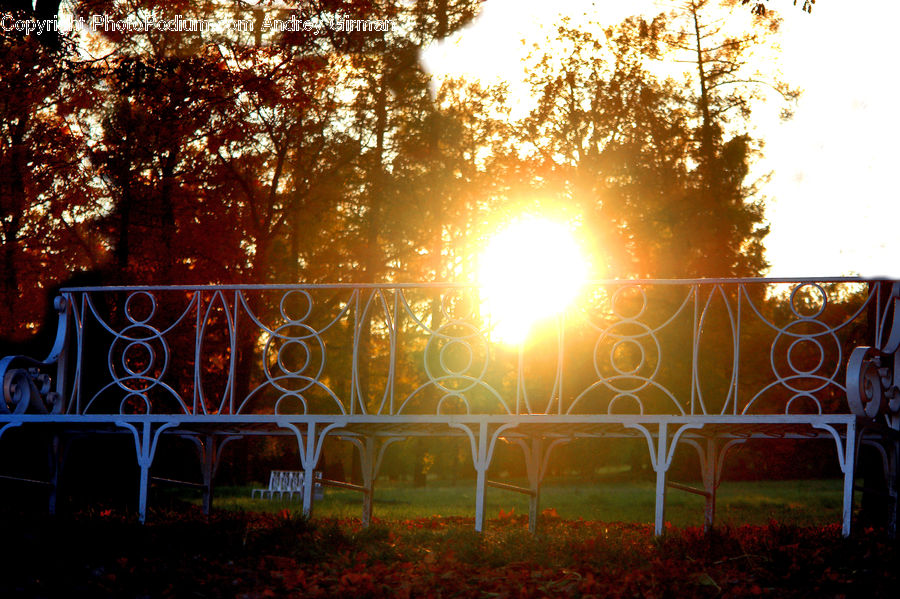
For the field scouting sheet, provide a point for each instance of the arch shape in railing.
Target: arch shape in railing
(679, 347)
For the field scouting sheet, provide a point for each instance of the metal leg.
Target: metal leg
(371, 452)
(710, 483)
(210, 448)
(309, 469)
(368, 462)
(480, 497)
(661, 466)
(310, 446)
(481, 466)
(144, 460)
(533, 467)
(57, 455)
(482, 446)
(849, 464)
(536, 458)
(661, 455)
(144, 464)
(145, 442)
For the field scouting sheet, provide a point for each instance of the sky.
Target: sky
(832, 192)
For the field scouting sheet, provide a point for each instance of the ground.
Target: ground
(106, 553)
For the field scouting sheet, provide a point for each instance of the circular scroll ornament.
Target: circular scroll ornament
(817, 310)
(289, 303)
(628, 355)
(462, 365)
(27, 390)
(871, 383)
(134, 363)
(138, 359)
(132, 311)
(819, 374)
(297, 350)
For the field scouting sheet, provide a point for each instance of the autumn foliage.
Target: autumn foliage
(283, 555)
(317, 155)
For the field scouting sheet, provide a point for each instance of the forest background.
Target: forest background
(330, 156)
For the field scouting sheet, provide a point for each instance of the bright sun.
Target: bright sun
(529, 271)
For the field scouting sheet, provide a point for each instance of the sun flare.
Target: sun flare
(529, 271)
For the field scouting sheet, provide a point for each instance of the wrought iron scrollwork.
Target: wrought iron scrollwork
(25, 388)
(872, 382)
(29, 390)
(873, 373)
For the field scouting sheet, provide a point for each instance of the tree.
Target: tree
(723, 87)
(44, 194)
(657, 165)
(610, 140)
(759, 8)
(152, 160)
(659, 182)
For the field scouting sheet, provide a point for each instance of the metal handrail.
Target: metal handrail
(409, 327)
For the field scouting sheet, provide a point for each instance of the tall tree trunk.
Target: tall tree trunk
(167, 230)
(373, 262)
(14, 204)
(707, 149)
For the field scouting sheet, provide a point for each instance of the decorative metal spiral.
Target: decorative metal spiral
(873, 374)
(28, 390)
(872, 385)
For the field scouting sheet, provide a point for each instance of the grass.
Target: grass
(106, 553)
(778, 539)
(801, 503)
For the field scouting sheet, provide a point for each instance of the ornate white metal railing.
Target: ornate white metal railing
(649, 347)
(645, 355)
